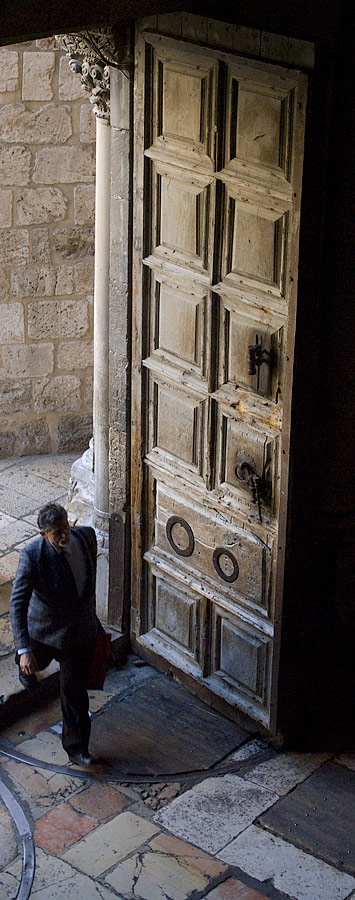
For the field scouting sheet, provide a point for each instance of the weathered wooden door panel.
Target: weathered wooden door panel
(241, 664)
(260, 132)
(217, 217)
(183, 107)
(181, 238)
(257, 370)
(177, 434)
(246, 580)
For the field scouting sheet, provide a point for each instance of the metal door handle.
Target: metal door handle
(246, 473)
(256, 357)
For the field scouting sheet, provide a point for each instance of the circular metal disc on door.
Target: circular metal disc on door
(180, 536)
(225, 564)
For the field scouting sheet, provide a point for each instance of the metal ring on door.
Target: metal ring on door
(217, 553)
(182, 551)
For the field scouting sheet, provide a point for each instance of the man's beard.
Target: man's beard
(64, 544)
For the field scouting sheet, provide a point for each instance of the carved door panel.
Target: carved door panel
(216, 243)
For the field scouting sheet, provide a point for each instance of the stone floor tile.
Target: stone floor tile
(45, 787)
(30, 725)
(8, 566)
(250, 749)
(29, 484)
(32, 517)
(232, 889)
(54, 880)
(5, 463)
(47, 747)
(5, 522)
(110, 843)
(16, 504)
(16, 533)
(156, 876)
(291, 870)
(199, 815)
(53, 468)
(32, 806)
(98, 699)
(22, 544)
(9, 841)
(5, 594)
(346, 759)
(193, 856)
(286, 770)
(101, 802)
(61, 827)
(6, 639)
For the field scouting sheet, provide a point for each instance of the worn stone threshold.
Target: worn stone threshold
(16, 702)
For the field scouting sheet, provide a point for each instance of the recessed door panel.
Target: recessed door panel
(241, 657)
(249, 465)
(260, 130)
(179, 321)
(181, 219)
(251, 355)
(258, 135)
(179, 329)
(254, 245)
(183, 104)
(178, 424)
(177, 616)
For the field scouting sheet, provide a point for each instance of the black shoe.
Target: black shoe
(82, 759)
(28, 681)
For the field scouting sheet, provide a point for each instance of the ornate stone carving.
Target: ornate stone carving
(90, 54)
(81, 489)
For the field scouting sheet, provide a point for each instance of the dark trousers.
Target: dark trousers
(74, 665)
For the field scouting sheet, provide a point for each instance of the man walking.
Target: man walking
(53, 616)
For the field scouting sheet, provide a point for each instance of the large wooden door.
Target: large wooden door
(217, 180)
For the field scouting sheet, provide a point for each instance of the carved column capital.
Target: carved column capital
(90, 54)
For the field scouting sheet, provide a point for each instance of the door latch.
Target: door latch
(246, 473)
(256, 357)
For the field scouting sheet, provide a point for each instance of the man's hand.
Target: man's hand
(28, 663)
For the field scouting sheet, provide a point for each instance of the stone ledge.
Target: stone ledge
(16, 702)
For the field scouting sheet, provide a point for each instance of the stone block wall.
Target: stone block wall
(47, 174)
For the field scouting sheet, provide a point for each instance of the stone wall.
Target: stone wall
(47, 173)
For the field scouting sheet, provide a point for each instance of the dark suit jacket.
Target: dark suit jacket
(42, 607)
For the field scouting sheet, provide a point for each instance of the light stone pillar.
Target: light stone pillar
(104, 59)
(90, 55)
(101, 361)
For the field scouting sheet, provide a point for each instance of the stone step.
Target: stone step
(16, 702)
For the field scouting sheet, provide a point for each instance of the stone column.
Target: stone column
(104, 60)
(90, 54)
(101, 360)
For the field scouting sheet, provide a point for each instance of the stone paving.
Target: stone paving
(98, 838)
(26, 484)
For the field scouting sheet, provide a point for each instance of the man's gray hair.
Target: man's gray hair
(49, 515)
